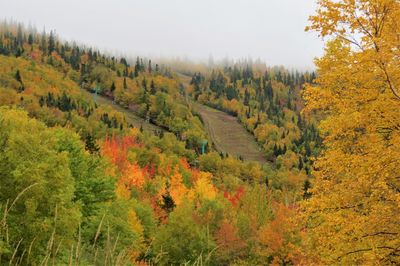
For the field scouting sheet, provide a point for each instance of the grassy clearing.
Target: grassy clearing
(228, 135)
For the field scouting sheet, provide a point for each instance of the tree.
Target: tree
(52, 43)
(32, 167)
(19, 79)
(230, 246)
(112, 89)
(91, 145)
(152, 88)
(351, 216)
(182, 239)
(280, 238)
(246, 97)
(125, 85)
(377, 24)
(30, 39)
(149, 67)
(18, 76)
(19, 35)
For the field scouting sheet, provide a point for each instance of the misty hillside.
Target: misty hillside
(121, 160)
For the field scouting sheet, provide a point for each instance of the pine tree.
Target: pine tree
(20, 39)
(246, 97)
(18, 76)
(112, 89)
(301, 163)
(52, 43)
(30, 39)
(144, 84)
(19, 79)
(91, 145)
(125, 85)
(152, 88)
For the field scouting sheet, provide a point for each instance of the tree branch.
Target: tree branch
(365, 250)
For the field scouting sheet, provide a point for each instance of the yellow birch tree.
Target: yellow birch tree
(353, 216)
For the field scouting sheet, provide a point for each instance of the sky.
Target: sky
(270, 30)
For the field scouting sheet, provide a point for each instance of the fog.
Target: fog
(270, 30)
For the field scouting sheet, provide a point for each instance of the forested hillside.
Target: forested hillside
(268, 102)
(108, 160)
(81, 185)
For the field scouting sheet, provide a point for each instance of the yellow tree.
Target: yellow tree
(353, 215)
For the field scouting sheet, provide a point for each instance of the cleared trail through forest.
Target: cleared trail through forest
(227, 134)
(130, 116)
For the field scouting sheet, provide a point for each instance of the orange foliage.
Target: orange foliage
(279, 237)
(229, 244)
(116, 150)
(130, 174)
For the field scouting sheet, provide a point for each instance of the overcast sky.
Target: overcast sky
(271, 30)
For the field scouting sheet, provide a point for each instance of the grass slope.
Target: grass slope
(228, 135)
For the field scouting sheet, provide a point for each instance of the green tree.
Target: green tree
(52, 43)
(182, 239)
(30, 161)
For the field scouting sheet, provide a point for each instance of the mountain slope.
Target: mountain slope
(228, 135)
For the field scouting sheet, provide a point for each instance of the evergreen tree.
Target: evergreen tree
(307, 185)
(112, 89)
(144, 84)
(246, 97)
(136, 74)
(20, 39)
(52, 43)
(125, 85)
(91, 145)
(18, 76)
(30, 39)
(301, 163)
(152, 88)
(19, 79)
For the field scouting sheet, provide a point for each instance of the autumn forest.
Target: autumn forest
(108, 159)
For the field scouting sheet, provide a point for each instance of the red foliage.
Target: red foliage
(34, 55)
(116, 149)
(235, 199)
(149, 171)
(185, 164)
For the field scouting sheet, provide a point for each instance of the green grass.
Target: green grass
(228, 135)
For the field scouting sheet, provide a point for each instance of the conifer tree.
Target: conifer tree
(52, 43)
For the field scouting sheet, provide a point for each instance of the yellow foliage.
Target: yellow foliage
(204, 188)
(122, 192)
(353, 215)
(177, 190)
(134, 223)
